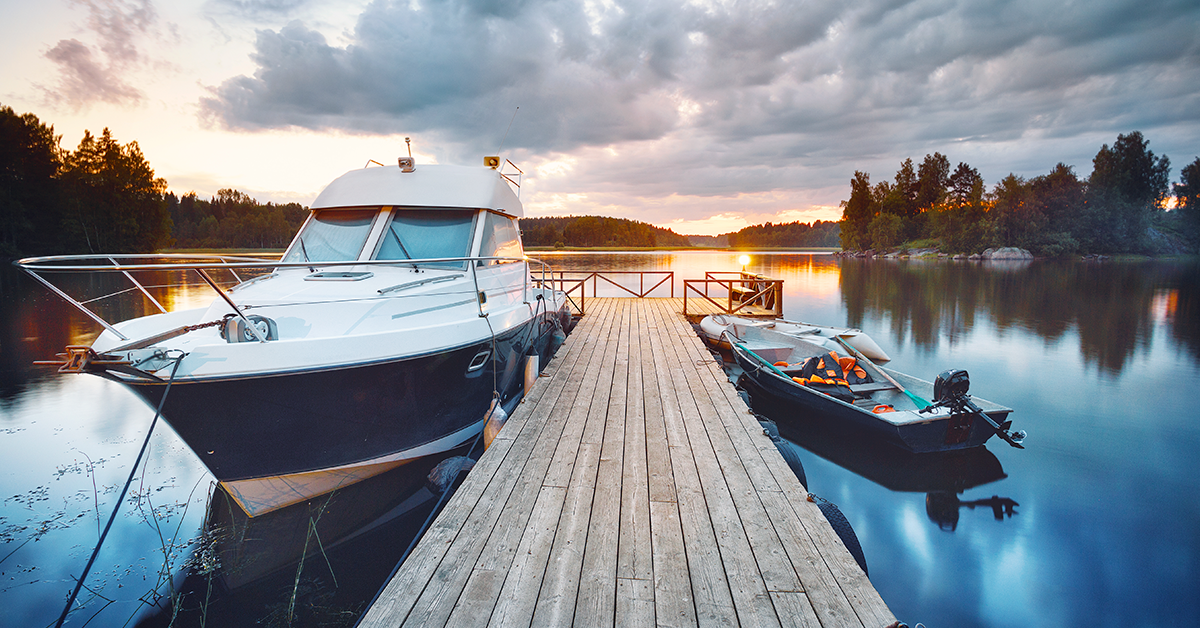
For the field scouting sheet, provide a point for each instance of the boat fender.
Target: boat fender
(443, 477)
(842, 526)
(786, 449)
(496, 418)
(532, 368)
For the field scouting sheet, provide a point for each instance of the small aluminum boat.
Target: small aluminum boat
(882, 403)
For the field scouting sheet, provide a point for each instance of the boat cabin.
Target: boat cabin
(432, 212)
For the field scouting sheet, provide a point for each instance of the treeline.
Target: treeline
(596, 231)
(1120, 208)
(791, 234)
(101, 197)
(232, 219)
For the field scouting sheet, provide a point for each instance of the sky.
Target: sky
(703, 116)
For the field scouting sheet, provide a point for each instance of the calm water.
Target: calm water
(1101, 363)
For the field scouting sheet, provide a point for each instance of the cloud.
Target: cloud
(99, 75)
(84, 80)
(716, 98)
(262, 7)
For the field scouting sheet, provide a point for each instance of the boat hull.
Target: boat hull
(275, 439)
(788, 401)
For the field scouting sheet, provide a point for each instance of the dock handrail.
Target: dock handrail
(578, 283)
(749, 287)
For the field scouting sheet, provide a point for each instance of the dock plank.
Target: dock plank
(632, 487)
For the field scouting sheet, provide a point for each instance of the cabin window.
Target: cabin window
(332, 236)
(500, 239)
(428, 234)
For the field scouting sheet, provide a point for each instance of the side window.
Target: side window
(500, 239)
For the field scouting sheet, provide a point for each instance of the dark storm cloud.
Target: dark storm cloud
(99, 75)
(463, 67)
(782, 86)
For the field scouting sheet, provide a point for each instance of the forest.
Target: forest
(1122, 207)
(593, 231)
(791, 234)
(103, 197)
(232, 219)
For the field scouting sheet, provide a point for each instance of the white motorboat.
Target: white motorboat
(403, 312)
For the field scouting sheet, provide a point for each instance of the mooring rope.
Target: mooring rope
(117, 507)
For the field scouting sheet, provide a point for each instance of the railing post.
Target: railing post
(158, 305)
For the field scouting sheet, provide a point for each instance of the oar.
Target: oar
(743, 347)
(921, 403)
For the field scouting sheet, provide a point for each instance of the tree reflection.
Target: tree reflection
(1112, 306)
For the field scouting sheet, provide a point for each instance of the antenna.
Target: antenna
(510, 121)
(408, 141)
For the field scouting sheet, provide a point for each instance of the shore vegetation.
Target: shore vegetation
(1124, 207)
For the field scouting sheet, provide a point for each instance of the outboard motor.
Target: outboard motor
(951, 384)
(950, 390)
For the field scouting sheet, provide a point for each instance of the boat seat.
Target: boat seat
(768, 351)
(871, 387)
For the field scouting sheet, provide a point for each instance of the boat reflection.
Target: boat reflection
(943, 508)
(317, 562)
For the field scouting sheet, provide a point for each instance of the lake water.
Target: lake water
(1096, 523)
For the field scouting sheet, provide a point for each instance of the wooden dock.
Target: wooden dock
(631, 488)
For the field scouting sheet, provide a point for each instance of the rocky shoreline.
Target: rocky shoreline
(1005, 253)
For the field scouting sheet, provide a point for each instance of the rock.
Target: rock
(960, 256)
(1008, 253)
(974, 257)
(987, 254)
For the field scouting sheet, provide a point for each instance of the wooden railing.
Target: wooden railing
(574, 283)
(741, 291)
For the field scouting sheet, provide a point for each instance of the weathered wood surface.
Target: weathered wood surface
(632, 488)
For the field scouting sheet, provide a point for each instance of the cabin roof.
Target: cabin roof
(430, 185)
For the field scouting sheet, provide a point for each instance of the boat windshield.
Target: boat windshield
(427, 234)
(332, 236)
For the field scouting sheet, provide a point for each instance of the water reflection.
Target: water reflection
(1110, 306)
(1100, 361)
(943, 508)
(314, 563)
